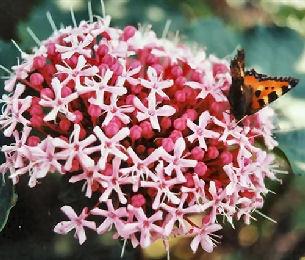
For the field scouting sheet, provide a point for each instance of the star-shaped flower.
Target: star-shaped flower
(200, 131)
(152, 112)
(177, 162)
(155, 83)
(75, 148)
(203, 237)
(109, 145)
(59, 104)
(82, 69)
(76, 222)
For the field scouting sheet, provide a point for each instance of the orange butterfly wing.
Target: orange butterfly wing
(251, 91)
(266, 89)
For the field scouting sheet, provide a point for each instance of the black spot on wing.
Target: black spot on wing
(272, 96)
(285, 89)
(257, 93)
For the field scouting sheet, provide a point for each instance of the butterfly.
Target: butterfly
(251, 91)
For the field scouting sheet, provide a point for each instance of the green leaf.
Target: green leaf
(8, 58)
(293, 144)
(8, 199)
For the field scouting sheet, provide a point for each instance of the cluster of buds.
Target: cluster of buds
(144, 123)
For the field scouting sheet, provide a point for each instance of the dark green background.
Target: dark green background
(273, 37)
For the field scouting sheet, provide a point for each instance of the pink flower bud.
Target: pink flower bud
(159, 68)
(135, 132)
(138, 200)
(64, 124)
(108, 59)
(117, 68)
(135, 64)
(36, 121)
(108, 170)
(33, 140)
(103, 68)
(129, 99)
(150, 150)
(165, 123)
(168, 144)
(51, 49)
(111, 129)
(175, 135)
(65, 91)
(79, 116)
(180, 124)
(180, 81)
(196, 76)
(147, 131)
(94, 110)
(140, 149)
(200, 169)
(226, 157)
(36, 110)
(128, 32)
(219, 68)
(47, 92)
(189, 180)
(151, 59)
(216, 108)
(36, 79)
(102, 50)
(180, 96)
(176, 71)
(212, 152)
(197, 153)
(190, 114)
(39, 62)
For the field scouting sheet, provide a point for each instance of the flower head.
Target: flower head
(144, 124)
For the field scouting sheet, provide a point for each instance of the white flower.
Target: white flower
(112, 110)
(75, 74)
(109, 145)
(200, 131)
(59, 103)
(75, 148)
(155, 83)
(77, 46)
(100, 87)
(152, 112)
(176, 162)
(76, 222)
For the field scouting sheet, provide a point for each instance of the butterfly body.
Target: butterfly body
(251, 91)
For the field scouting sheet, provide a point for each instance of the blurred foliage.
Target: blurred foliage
(8, 199)
(272, 33)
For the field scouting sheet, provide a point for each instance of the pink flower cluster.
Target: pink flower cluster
(142, 122)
